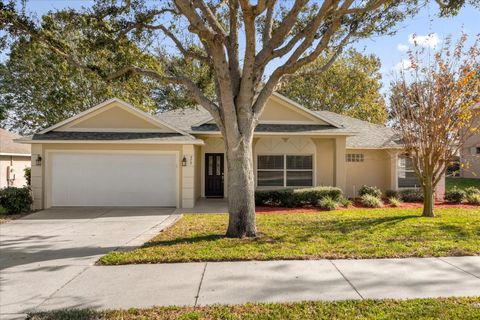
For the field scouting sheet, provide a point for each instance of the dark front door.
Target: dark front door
(214, 175)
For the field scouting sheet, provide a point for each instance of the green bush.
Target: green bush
(395, 202)
(392, 194)
(328, 203)
(296, 197)
(345, 202)
(471, 191)
(371, 201)
(27, 173)
(455, 195)
(473, 199)
(15, 200)
(370, 190)
(411, 195)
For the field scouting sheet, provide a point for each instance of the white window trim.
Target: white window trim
(285, 170)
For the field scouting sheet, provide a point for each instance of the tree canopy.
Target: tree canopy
(39, 88)
(351, 86)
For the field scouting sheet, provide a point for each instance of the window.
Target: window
(478, 150)
(406, 174)
(284, 170)
(354, 157)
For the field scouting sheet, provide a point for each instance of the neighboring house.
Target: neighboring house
(470, 152)
(14, 158)
(116, 155)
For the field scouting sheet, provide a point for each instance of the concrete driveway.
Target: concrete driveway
(42, 252)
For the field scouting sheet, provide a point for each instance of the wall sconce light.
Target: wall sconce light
(38, 161)
(184, 161)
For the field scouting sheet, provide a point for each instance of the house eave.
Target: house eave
(181, 142)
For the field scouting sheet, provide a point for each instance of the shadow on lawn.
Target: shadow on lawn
(185, 240)
(304, 230)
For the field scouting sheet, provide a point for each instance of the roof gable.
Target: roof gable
(8, 146)
(113, 115)
(282, 110)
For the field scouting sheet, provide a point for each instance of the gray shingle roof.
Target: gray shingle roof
(367, 135)
(111, 136)
(185, 119)
(7, 145)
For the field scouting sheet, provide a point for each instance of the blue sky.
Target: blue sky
(390, 49)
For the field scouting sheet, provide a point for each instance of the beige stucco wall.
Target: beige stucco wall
(277, 110)
(325, 161)
(376, 170)
(323, 150)
(112, 117)
(19, 163)
(186, 175)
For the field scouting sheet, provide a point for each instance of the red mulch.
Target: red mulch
(358, 205)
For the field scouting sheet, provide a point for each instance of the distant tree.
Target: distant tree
(39, 88)
(351, 86)
(433, 103)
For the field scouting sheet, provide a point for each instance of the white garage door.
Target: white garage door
(113, 179)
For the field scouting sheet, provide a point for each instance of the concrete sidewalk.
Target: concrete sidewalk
(268, 281)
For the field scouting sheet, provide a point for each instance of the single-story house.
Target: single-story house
(14, 158)
(116, 155)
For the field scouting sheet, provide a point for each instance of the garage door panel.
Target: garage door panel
(113, 179)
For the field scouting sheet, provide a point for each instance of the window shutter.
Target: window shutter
(473, 151)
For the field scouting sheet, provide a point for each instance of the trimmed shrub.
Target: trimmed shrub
(27, 173)
(411, 195)
(395, 202)
(345, 202)
(473, 199)
(15, 200)
(370, 190)
(328, 203)
(455, 195)
(371, 201)
(392, 194)
(471, 191)
(296, 197)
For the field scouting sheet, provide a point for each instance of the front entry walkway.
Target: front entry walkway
(207, 205)
(43, 252)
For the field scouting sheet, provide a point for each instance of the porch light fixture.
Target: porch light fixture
(184, 161)
(38, 161)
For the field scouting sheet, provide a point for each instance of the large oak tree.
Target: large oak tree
(238, 41)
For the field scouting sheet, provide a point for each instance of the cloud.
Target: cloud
(430, 40)
(402, 47)
(403, 65)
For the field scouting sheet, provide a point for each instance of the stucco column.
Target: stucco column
(37, 177)
(188, 177)
(340, 172)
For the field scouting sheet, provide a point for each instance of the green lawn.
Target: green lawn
(461, 183)
(451, 308)
(352, 233)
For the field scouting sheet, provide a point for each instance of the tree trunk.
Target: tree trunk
(428, 201)
(241, 190)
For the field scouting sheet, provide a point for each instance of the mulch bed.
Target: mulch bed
(358, 205)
